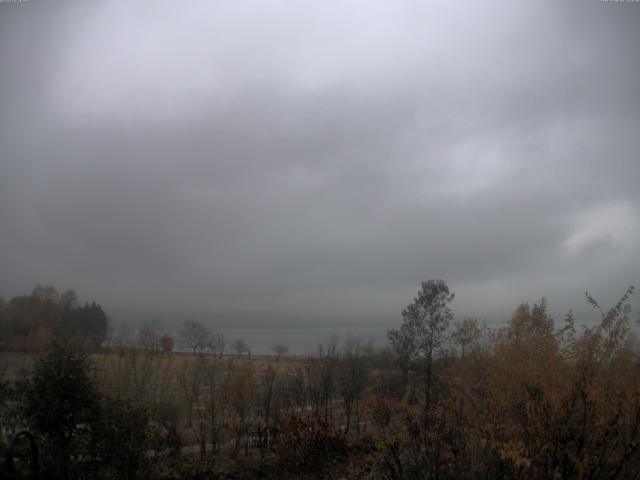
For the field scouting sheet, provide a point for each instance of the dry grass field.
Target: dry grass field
(12, 364)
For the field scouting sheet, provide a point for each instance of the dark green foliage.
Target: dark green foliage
(120, 438)
(535, 403)
(28, 322)
(424, 323)
(81, 432)
(422, 335)
(59, 403)
(60, 394)
(88, 321)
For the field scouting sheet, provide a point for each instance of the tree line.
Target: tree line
(445, 400)
(29, 322)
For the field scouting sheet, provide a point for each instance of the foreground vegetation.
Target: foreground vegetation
(448, 400)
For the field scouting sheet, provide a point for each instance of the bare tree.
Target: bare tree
(240, 401)
(149, 335)
(354, 376)
(240, 346)
(269, 402)
(138, 370)
(194, 336)
(214, 376)
(280, 349)
(321, 373)
(422, 334)
(190, 380)
(217, 343)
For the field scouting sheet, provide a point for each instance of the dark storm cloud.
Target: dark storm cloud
(316, 162)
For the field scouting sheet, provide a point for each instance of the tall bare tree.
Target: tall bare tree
(422, 334)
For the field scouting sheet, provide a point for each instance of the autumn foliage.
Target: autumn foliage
(451, 399)
(534, 402)
(30, 322)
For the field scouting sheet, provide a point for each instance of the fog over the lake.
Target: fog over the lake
(307, 164)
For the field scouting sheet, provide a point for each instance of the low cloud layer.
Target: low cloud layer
(309, 163)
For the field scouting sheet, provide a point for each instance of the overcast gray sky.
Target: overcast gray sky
(309, 163)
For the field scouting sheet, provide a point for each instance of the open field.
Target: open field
(512, 400)
(13, 363)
